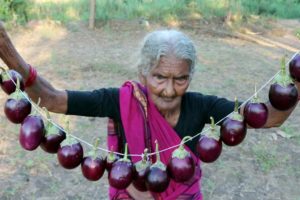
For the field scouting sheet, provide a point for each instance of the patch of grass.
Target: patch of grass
(297, 33)
(210, 187)
(298, 140)
(29, 164)
(54, 186)
(266, 158)
(288, 130)
(113, 68)
(10, 192)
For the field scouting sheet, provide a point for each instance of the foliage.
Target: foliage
(14, 10)
(62, 11)
(278, 8)
(158, 10)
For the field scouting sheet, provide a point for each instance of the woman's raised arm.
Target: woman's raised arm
(54, 100)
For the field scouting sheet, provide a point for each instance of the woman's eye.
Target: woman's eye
(181, 80)
(160, 77)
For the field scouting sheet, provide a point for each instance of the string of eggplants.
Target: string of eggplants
(144, 175)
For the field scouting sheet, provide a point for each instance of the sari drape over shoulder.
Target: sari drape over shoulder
(143, 124)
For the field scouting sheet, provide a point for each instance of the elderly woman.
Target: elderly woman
(158, 108)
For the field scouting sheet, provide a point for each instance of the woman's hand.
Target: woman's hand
(138, 194)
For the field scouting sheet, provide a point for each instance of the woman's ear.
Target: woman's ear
(142, 79)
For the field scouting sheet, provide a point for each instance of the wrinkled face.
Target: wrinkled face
(167, 83)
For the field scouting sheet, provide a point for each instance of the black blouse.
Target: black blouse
(196, 109)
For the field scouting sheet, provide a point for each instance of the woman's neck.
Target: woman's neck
(172, 116)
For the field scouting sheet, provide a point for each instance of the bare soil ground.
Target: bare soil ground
(266, 166)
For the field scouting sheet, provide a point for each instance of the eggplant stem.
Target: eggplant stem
(48, 117)
(255, 91)
(111, 153)
(236, 105)
(111, 147)
(95, 148)
(96, 144)
(68, 130)
(126, 151)
(18, 84)
(283, 71)
(47, 113)
(35, 111)
(212, 123)
(2, 68)
(183, 141)
(38, 102)
(145, 155)
(157, 151)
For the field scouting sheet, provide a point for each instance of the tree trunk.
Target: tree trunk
(92, 14)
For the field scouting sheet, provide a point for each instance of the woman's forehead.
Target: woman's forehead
(172, 64)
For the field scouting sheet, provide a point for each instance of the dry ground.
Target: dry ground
(266, 166)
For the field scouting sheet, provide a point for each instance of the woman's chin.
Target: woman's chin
(167, 107)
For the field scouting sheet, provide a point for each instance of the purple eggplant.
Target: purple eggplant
(70, 152)
(54, 135)
(283, 94)
(283, 97)
(141, 170)
(110, 159)
(93, 166)
(255, 112)
(17, 106)
(121, 174)
(294, 68)
(31, 132)
(209, 146)
(53, 138)
(7, 84)
(70, 155)
(157, 178)
(233, 129)
(181, 166)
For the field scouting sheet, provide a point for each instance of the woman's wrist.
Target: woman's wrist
(31, 78)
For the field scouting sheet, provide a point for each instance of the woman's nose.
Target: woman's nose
(169, 90)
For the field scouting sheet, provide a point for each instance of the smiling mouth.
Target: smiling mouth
(167, 99)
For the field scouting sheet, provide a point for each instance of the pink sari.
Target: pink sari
(143, 124)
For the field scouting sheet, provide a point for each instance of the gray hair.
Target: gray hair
(164, 43)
